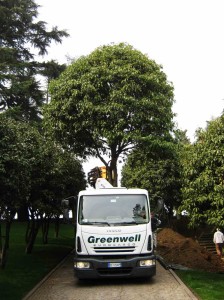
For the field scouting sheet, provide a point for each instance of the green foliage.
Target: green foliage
(20, 35)
(14, 167)
(107, 102)
(35, 175)
(50, 70)
(157, 169)
(203, 171)
(62, 177)
(34, 171)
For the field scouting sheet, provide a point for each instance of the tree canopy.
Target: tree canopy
(21, 36)
(203, 169)
(14, 167)
(34, 170)
(105, 103)
(35, 174)
(158, 170)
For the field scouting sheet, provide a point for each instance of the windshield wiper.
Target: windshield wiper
(95, 223)
(127, 223)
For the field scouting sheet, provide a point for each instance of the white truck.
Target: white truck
(113, 233)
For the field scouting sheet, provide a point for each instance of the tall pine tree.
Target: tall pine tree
(20, 36)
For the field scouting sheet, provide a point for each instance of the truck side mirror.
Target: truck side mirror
(65, 203)
(155, 222)
(65, 209)
(160, 205)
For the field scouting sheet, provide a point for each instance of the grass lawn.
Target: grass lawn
(208, 286)
(24, 271)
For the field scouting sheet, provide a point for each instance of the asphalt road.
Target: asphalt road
(61, 285)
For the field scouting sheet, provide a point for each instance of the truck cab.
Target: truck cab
(114, 234)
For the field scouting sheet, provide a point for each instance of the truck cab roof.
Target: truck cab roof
(109, 191)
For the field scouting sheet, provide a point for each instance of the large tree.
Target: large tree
(203, 171)
(21, 37)
(107, 102)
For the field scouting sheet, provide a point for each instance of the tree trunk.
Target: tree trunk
(1, 236)
(1, 248)
(112, 172)
(4, 243)
(57, 226)
(3, 255)
(23, 213)
(31, 235)
(45, 230)
(7, 233)
(27, 232)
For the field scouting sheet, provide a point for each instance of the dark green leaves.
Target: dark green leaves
(20, 34)
(203, 189)
(107, 101)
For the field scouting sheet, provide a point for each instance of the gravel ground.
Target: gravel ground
(61, 285)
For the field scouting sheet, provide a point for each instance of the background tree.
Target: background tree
(157, 169)
(105, 103)
(64, 180)
(20, 35)
(50, 70)
(203, 170)
(54, 175)
(34, 173)
(14, 176)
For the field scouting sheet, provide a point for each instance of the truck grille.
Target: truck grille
(113, 249)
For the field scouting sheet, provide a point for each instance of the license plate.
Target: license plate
(114, 265)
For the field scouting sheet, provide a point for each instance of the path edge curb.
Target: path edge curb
(31, 292)
(185, 287)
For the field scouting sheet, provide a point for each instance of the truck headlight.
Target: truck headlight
(147, 262)
(82, 265)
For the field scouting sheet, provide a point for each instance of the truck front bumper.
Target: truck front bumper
(141, 266)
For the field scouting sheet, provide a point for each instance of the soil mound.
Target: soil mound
(176, 249)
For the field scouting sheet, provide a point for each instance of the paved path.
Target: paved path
(61, 285)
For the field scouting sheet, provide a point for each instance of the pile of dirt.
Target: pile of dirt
(175, 249)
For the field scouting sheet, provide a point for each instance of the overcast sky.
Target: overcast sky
(186, 37)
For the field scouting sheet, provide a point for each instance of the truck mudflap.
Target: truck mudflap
(90, 268)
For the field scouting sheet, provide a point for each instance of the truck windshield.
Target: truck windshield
(107, 210)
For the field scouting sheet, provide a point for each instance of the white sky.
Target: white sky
(186, 37)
